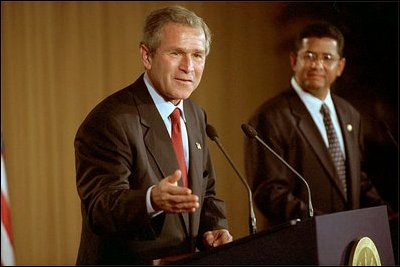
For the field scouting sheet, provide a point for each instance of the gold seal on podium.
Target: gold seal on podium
(364, 253)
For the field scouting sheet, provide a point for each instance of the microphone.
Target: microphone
(386, 129)
(252, 133)
(212, 134)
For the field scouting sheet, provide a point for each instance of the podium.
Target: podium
(322, 240)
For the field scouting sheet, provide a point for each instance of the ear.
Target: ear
(145, 56)
(293, 59)
(340, 68)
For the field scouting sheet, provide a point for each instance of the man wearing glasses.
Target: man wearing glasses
(315, 131)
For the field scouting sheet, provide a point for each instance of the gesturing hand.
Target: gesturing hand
(171, 198)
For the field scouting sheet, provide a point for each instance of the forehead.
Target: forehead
(175, 32)
(320, 45)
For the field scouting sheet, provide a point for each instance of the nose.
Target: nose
(318, 63)
(187, 64)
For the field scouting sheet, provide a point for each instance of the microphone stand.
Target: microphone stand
(252, 217)
(252, 133)
(212, 134)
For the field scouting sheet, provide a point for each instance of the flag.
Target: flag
(7, 249)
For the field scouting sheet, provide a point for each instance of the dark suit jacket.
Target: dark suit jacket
(285, 124)
(122, 148)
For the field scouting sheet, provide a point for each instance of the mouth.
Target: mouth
(315, 75)
(184, 80)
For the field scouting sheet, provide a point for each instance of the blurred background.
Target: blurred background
(59, 59)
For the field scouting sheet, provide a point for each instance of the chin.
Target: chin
(185, 92)
(315, 86)
(186, 96)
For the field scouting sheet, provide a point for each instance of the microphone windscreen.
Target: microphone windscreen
(211, 132)
(249, 131)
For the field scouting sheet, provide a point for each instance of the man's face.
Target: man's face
(317, 65)
(176, 67)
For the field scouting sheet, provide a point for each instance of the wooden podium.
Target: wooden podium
(323, 240)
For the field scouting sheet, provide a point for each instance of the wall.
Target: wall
(59, 59)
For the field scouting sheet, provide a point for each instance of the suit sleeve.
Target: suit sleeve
(111, 205)
(271, 182)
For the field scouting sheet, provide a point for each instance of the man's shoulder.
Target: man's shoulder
(122, 96)
(343, 104)
(278, 101)
(119, 102)
(130, 89)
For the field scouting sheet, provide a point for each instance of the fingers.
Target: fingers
(170, 198)
(208, 239)
(181, 207)
(170, 185)
(225, 237)
(173, 179)
(181, 203)
(216, 238)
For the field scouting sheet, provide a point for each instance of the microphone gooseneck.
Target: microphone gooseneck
(212, 134)
(252, 133)
(386, 129)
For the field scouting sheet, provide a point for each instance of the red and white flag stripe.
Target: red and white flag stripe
(7, 249)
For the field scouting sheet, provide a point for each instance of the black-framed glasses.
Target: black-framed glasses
(327, 60)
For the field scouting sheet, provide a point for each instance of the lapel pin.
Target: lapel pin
(349, 127)
(198, 145)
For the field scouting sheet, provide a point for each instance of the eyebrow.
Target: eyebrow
(183, 50)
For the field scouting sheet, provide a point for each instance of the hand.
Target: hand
(216, 238)
(171, 198)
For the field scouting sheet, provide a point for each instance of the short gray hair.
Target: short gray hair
(157, 19)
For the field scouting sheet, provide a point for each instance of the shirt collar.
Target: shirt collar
(165, 108)
(311, 101)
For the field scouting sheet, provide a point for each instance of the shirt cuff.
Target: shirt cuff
(150, 209)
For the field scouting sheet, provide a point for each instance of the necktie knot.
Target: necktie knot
(324, 110)
(175, 115)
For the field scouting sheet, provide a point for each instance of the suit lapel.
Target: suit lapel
(348, 129)
(195, 163)
(313, 136)
(155, 135)
(157, 139)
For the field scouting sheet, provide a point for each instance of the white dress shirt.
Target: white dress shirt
(165, 108)
(313, 105)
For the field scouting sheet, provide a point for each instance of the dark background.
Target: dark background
(369, 81)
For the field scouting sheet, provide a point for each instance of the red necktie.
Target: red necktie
(176, 138)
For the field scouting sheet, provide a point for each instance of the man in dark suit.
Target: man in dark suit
(293, 124)
(135, 207)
